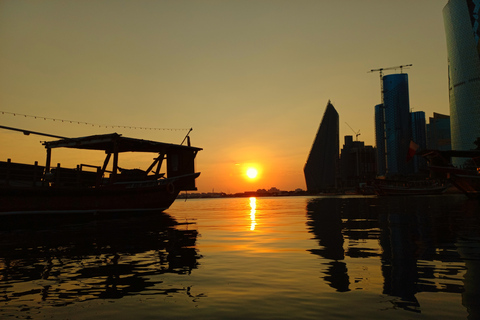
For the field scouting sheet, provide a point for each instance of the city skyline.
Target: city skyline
(251, 79)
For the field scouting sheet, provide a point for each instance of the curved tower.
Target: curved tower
(320, 169)
(462, 30)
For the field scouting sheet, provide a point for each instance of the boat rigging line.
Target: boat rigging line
(89, 123)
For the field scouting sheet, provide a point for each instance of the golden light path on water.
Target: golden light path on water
(253, 208)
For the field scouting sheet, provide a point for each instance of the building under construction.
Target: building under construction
(393, 131)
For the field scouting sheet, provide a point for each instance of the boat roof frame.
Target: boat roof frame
(452, 153)
(114, 142)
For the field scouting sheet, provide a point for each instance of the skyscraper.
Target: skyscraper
(462, 30)
(357, 162)
(419, 136)
(438, 132)
(380, 139)
(396, 107)
(320, 169)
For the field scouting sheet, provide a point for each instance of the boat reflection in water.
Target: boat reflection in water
(58, 261)
(422, 246)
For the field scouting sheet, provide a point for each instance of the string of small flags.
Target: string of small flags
(88, 123)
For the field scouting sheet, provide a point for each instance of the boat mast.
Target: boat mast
(187, 137)
(28, 132)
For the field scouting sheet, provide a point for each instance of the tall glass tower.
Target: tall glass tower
(462, 30)
(396, 105)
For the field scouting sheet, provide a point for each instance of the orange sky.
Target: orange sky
(251, 77)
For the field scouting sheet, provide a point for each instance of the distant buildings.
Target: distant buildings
(357, 162)
(398, 132)
(461, 19)
(396, 127)
(438, 132)
(419, 137)
(380, 140)
(320, 169)
(325, 170)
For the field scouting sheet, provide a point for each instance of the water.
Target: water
(241, 258)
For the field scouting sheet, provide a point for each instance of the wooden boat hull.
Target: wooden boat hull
(469, 185)
(408, 188)
(122, 197)
(26, 188)
(411, 191)
(467, 181)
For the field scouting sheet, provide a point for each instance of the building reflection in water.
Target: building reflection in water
(469, 250)
(419, 241)
(253, 208)
(468, 246)
(71, 261)
(326, 224)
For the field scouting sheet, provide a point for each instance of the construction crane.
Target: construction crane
(380, 70)
(357, 133)
(391, 68)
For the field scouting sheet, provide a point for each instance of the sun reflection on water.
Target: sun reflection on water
(253, 207)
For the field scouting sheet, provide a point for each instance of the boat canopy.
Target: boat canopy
(114, 142)
(180, 158)
(460, 153)
(445, 156)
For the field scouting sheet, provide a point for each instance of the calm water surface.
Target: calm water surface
(241, 258)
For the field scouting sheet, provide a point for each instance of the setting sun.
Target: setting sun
(252, 173)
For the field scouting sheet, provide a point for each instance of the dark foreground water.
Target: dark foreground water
(264, 258)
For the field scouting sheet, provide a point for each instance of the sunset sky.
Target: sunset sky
(252, 78)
